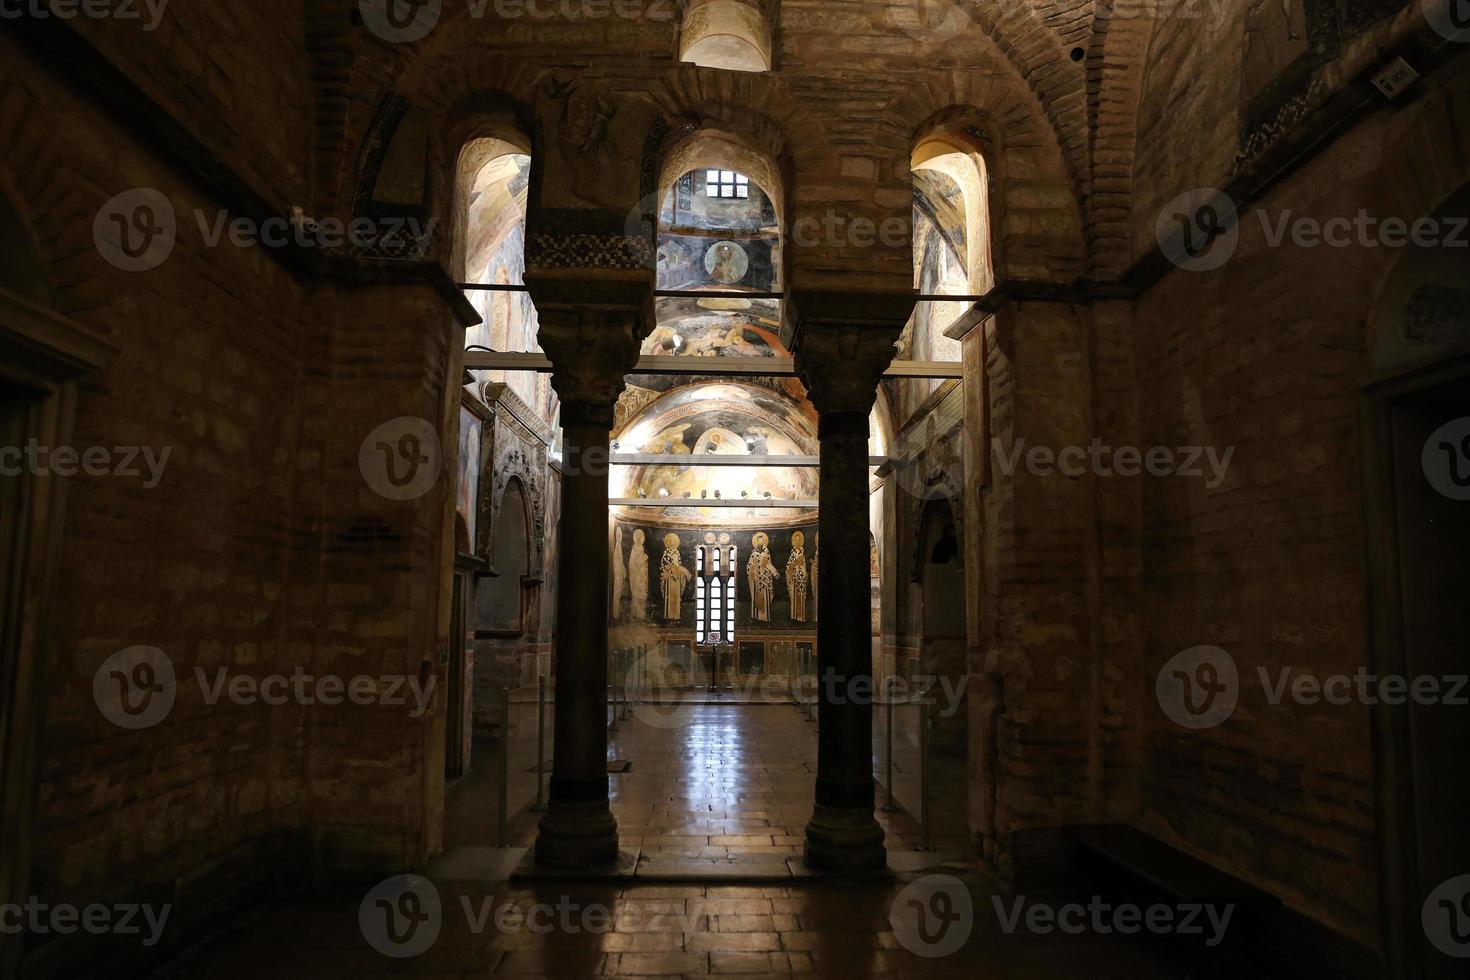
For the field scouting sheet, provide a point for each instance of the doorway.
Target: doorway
(1418, 519)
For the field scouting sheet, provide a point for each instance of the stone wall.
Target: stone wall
(1267, 355)
(261, 550)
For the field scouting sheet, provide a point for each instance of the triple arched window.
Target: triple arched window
(714, 594)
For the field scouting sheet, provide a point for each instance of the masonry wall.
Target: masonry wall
(262, 550)
(207, 369)
(1267, 355)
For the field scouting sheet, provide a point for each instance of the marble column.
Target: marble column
(591, 331)
(843, 344)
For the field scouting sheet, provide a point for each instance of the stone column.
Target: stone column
(843, 344)
(591, 331)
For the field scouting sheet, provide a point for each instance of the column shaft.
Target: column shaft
(578, 827)
(591, 329)
(843, 344)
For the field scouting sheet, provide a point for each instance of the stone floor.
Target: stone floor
(709, 783)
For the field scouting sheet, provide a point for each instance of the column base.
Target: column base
(582, 835)
(845, 841)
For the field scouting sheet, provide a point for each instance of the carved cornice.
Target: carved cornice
(497, 395)
(40, 347)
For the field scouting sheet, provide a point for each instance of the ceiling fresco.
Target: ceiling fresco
(727, 419)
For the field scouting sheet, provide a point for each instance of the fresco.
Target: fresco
(658, 605)
(495, 253)
(469, 471)
(940, 247)
(729, 419)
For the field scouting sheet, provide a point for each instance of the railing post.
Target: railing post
(890, 806)
(540, 803)
(924, 768)
(502, 810)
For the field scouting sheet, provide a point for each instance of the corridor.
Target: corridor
(711, 790)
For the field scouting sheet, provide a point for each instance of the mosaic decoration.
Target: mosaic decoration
(1288, 42)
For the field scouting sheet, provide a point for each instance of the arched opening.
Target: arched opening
(1417, 510)
(729, 34)
(495, 177)
(505, 453)
(924, 642)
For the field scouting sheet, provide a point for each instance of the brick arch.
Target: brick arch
(1116, 60)
(758, 112)
(1035, 211)
(759, 109)
(1036, 39)
(747, 125)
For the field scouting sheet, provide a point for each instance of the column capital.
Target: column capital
(843, 343)
(591, 328)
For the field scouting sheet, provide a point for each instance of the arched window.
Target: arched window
(495, 178)
(714, 594)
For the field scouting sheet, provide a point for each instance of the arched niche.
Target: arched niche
(727, 34)
(500, 596)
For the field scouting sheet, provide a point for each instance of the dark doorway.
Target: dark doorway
(1419, 527)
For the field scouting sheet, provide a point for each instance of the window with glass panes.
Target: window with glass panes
(726, 183)
(714, 594)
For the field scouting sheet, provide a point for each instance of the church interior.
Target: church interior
(675, 488)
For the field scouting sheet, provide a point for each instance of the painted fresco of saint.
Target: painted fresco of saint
(762, 573)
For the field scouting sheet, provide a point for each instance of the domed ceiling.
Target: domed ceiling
(725, 419)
